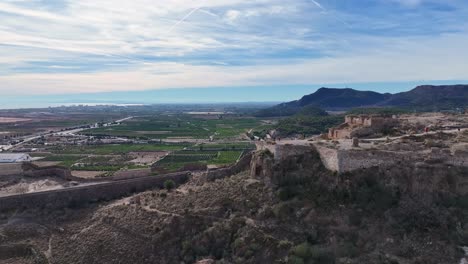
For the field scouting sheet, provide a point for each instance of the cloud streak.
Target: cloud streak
(87, 45)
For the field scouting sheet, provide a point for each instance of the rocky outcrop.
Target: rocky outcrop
(289, 164)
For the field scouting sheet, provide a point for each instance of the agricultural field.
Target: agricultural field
(200, 159)
(117, 149)
(166, 157)
(45, 120)
(178, 127)
(163, 139)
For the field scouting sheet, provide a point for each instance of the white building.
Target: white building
(14, 157)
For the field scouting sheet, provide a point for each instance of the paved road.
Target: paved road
(62, 133)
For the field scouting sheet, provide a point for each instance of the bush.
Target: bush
(315, 254)
(348, 250)
(283, 211)
(302, 250)
(285, 244)
(287, 193)
(295, 260)
(169, 185)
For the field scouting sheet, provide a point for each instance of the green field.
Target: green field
(182, 126)
(225, 146)
(114, 157)
(179, 160)
(116, 149)
(91, 163)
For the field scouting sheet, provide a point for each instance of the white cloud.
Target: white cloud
(180, 43)
(231, 16)
(406, 61)
(409, 3)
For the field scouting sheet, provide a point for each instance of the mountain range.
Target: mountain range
(422, 98)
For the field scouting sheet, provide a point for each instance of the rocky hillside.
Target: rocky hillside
(422, 97)
(283, 211)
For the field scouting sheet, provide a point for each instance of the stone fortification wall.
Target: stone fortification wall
(408, 172)
(241, 165)
(77, 196)
(10, 169)
(350, 160)
(33, 171)
(329, 157)
(345, 160)
(289, 164)
(283, 151)
(27, 169)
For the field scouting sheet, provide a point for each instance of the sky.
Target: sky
(225, 50)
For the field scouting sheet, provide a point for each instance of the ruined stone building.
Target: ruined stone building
(362, 125)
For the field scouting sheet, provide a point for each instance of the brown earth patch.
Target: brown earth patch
(86, 174)
(5, 120)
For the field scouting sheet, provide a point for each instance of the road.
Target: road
(70, 132)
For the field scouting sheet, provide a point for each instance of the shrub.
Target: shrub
(322, 255)
(302, 250)
(348, 250)
(169, 185)
(285, 244)
(315, 254)
(283, 211)
(295, 260)
(286, 193)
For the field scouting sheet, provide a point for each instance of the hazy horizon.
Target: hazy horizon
(259, 94)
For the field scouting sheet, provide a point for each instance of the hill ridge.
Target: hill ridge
(421, 97)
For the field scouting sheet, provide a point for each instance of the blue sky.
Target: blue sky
(220, 50)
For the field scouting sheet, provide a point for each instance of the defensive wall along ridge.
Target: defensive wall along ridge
(347, 160)
(93, 190)
(333, 158)
(75, 196)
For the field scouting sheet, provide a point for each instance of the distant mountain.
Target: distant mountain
(426, 97)
(430, 96)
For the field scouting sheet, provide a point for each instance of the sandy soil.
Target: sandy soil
(4, 120)
(147, 157)
(133, 173)
(441, 119)
(46, 163)
(28, 187)
(86, 174)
